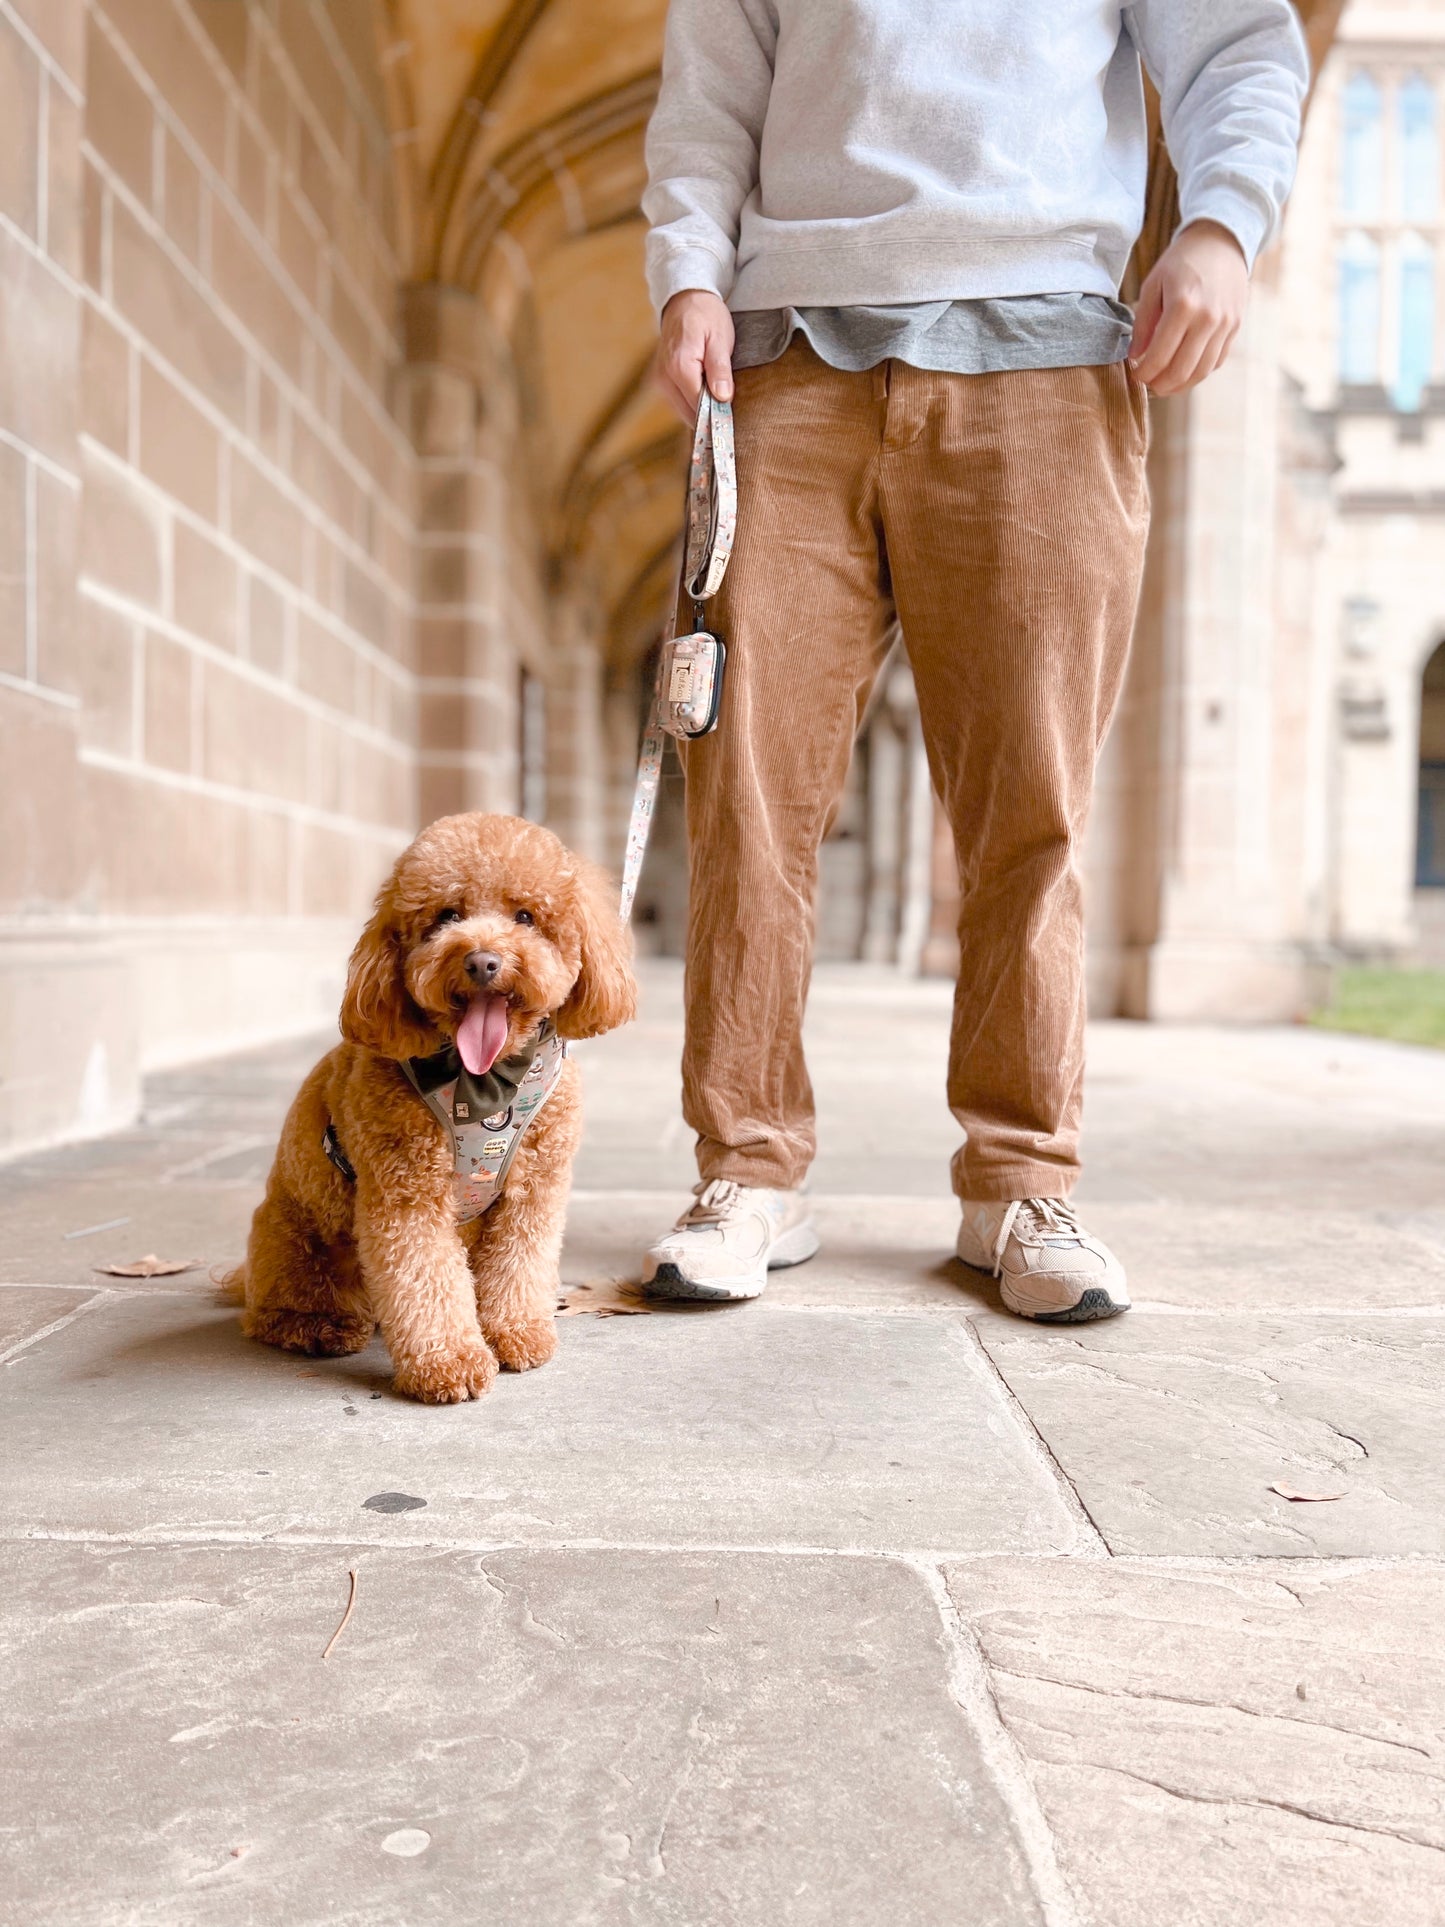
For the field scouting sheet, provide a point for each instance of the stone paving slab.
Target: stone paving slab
(730, 1425)
(1173, 1429)
(1227, 1745)
(590, 1739)
(175, 1220)
(896, 1252)
(877, 1251)
(25, 1311)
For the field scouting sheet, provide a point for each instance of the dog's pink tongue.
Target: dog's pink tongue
(482, 1033)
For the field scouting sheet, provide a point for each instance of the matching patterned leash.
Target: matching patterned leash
(712, 513)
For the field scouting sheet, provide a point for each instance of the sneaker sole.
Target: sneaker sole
(795, 1247)
(1094, 1303)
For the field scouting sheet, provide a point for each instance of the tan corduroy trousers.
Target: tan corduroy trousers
(1002, 518)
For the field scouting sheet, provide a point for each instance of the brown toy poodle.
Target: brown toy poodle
(422, 1175)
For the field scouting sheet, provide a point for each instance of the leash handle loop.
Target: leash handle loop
(712, 519)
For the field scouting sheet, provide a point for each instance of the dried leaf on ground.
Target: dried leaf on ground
(150, 1267)
(1306, 1498)
(607, 1297)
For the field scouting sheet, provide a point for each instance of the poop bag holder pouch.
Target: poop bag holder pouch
(690, 674)
(690, 666)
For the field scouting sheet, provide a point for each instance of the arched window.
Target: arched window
(1362, 148)
(1417, 320)
(1359, 310)
(1419, 149)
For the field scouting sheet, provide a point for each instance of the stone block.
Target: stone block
(106, 381)
(253, 738)
(204, 584)
(20, 157)
(122, 533)
(267, 625)
(14, 561)
(245, 284)
(908, 1441)
(299, 244)
(182, 196)
(326, 665)
(105, 678)
(24, 1312)
(64, 238)
(628, 1739)
(160, 35)
(119, 120)
(176, 318)
(57, 528)
(1203, 1415)
(180, 449)
(59, 26)
(39, 370)
(169, 674)
(264, 519)
(1224, 1743)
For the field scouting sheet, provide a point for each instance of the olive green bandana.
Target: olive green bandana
(474, 1097)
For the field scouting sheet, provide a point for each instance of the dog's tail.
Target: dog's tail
(231, 1284)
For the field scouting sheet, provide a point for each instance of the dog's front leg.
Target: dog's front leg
(517, 1245)
(416, 1271)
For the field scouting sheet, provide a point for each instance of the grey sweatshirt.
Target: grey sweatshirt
(825, 153)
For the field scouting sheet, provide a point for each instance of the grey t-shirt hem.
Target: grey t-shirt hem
(952, 337)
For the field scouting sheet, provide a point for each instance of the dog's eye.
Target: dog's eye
(447, 916)
(524, 916)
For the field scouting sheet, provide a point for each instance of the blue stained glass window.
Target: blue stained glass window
(1419, 149)
(1362, 148)
(1417, 321)
(1359, 310)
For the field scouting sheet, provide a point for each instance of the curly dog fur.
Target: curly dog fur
(327, 1260)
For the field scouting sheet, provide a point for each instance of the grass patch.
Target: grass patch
(1407, 1006)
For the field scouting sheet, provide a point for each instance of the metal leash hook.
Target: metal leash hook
(688, 687)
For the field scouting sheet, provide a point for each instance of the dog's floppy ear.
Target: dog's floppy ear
(605, 993)
(377, 1012)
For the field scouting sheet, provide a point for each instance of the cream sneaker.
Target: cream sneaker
(1048, 1266)
(725, 1244)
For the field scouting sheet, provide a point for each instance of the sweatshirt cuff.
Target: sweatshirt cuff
(1245, 219)
(682, 268)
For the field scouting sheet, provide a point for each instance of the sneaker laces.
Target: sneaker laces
(1039, 1216)
(716, 1201)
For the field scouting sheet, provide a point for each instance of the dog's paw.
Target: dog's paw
(318, 1334)
(448, 1378)
(522, 1346)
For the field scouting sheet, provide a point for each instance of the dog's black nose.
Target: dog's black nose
(483, 965)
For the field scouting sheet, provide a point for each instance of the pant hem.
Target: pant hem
(1027, 1181)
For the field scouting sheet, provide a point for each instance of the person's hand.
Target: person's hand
(1190, 309)
(697, 339)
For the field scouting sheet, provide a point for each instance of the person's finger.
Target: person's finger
(1146, 316)
(1181, 314)
(668, 388)
(1231, 335)
(1179, 369)
(686, 371)
(1196, 359)
(718, 364)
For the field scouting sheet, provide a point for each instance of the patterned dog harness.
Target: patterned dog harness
(482, 1147)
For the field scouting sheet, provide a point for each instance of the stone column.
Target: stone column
(1209, 925)
(479, 573)
(578, 791)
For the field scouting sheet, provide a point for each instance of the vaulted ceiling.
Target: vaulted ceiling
(519, 134)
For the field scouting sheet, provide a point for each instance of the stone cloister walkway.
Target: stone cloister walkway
(862, 1604)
